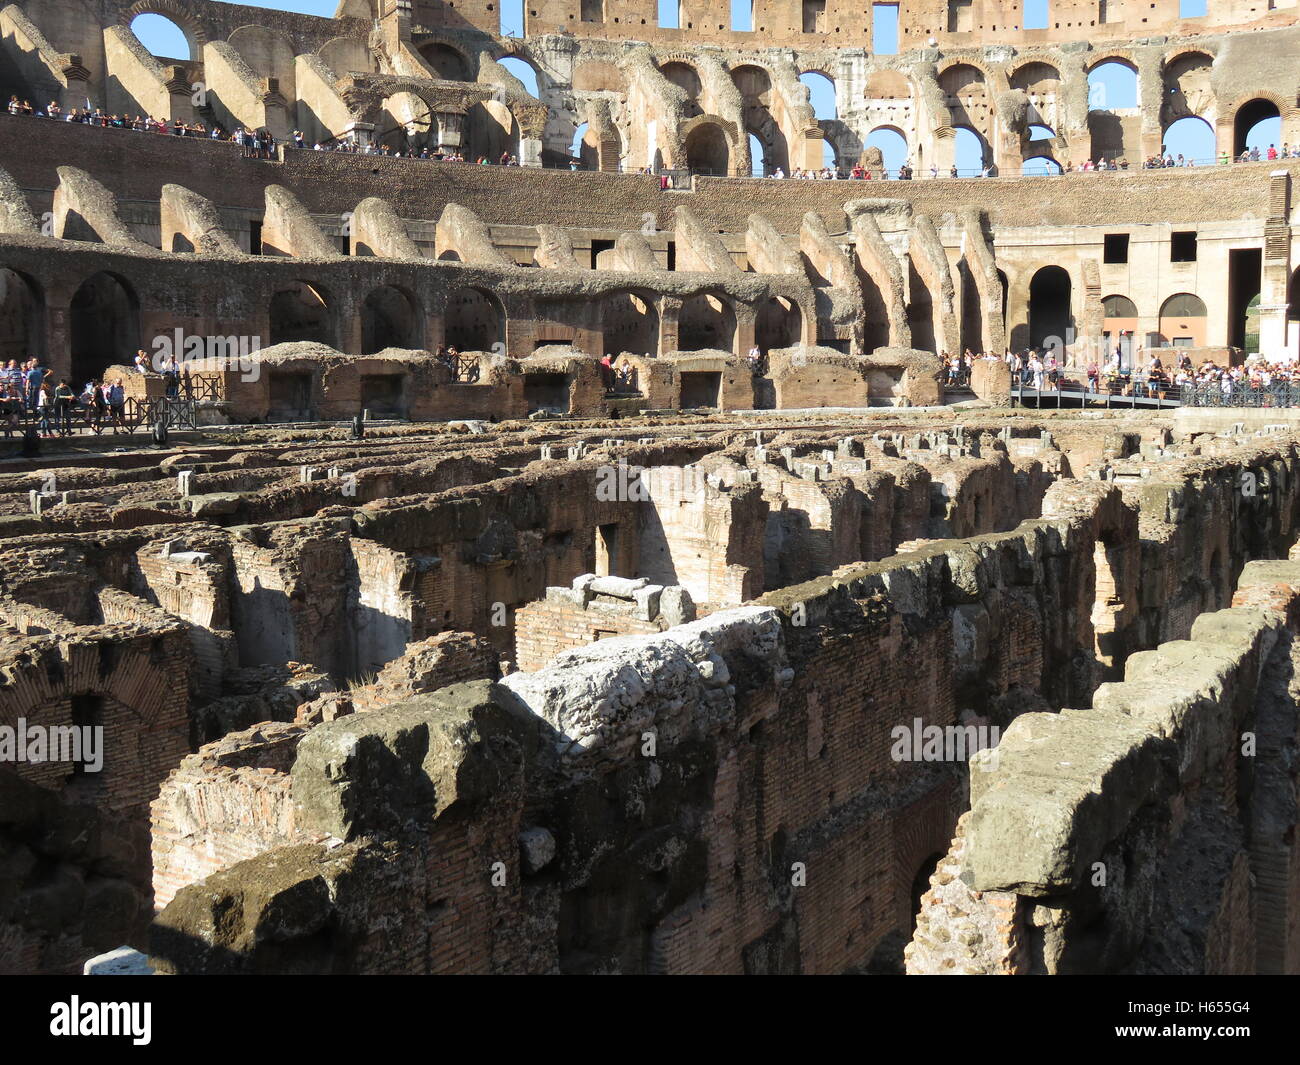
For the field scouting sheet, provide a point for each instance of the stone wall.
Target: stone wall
(1168, 846)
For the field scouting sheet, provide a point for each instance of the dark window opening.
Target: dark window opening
(1182, 248)
(1116, 248)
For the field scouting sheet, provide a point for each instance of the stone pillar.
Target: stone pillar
(670, 309)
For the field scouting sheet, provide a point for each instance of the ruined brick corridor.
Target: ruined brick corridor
(586, 713)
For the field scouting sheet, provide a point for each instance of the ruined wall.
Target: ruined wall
(1168, 846)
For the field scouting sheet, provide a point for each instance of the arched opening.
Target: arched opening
(631, 324)
(969, 152)
(493, 131)
(475, 320)
(821, 94)
(755, 85)
(892, 145)
(406, 122)
(301, 313)
(1041, 133)
(586, 154)
(1040, 166)
(161, 36)
(389, 319)
(685, 78)
(104, 326)
(445, 62)
(22, 313)
(758, 157)
(522, 70)
(1112, 95)
(1183, 321)
(707, 151)
(1192, 138)
(779, 324)
(1119, 324)
(830, 157)
(1112, 86)
(706, 321)
(1256, 127)
(967, 96)
(1188, 86)
(1050, 320)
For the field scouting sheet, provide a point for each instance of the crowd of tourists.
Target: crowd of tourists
(255, 143)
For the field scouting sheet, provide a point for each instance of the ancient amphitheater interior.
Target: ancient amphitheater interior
(565, 542)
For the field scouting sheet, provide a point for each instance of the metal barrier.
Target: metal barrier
(1278, 394)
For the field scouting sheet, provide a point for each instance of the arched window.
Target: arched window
(523, 71)
(1040, 166)
(1183, 305)
(1041, 133)
(161, 36)
(1112, 86)
(1192, 138)
(757, 157)
(892, 145)
(821, 93)
(1118, 307)
(1257, 125)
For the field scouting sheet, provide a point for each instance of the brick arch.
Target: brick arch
(1186, 50)
(983, 68)
(1046, 59)
(1285, 107)
(1114, 55)
(190, 23)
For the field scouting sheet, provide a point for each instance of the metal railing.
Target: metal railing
(1277, 394)
(135, 415)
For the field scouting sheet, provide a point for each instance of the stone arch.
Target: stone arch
(630, 322)
(103, 325)
(708, 145)
(779, 323)
(966, 92)
(475, 320)
(684, 76)
(1249, 111)
(1032, 72)
(1041, 165)
(446, 62)
(182, 14)
(390, 318)
(301, 311)
(22, 316)
(1188, 89)
(406, 121)
(706, 320)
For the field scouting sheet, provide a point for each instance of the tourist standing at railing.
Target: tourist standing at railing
(117, 406)
(63, 399)
(43, 404)
(172, 372)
